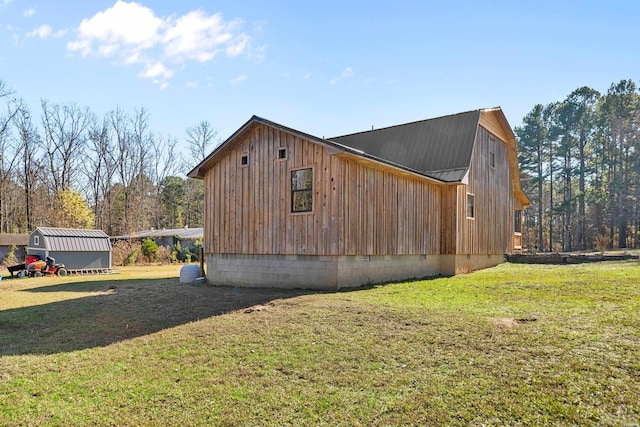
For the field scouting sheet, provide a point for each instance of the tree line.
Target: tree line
(580, 166)
(66, 167)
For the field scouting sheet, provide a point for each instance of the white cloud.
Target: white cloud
(29, 12)
(237, 80)
(127, 26)
(192, 85)
(200, 37)
(238, 45)
(133, 34)
(45, 31)
(153, 71)
(346, 73)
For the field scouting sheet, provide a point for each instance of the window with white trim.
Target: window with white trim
(470, 206)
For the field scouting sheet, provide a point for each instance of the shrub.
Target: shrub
(602, 241)
(124, 252)
(10, 257)
(150, 250)
(177, 248)
(166, 255)
(132, 257)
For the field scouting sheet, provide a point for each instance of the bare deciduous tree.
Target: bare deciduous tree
(201, 138)
(64, 134)
(28, 141)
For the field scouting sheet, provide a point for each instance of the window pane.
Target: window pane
(302, 179)
(302, 201)
(518, 221)
(470, 210)
(302, 190)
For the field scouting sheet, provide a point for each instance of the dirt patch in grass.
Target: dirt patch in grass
(505, 323)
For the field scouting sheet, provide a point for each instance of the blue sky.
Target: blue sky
(326, 68)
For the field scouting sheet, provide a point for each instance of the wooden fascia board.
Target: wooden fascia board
(255, 121)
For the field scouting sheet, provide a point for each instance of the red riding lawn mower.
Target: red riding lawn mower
(38, 268)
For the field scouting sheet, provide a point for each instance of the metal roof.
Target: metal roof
(440, 148)
(180, 233)
(14, 239)
(200, 169)
(74, 240)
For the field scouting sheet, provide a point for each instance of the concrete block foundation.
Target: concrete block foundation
(335, 272)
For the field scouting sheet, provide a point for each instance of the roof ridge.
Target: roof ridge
(410, 123)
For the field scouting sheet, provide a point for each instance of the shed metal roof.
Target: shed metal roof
(439, 147)
(74, 240)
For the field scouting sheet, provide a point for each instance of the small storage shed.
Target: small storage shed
(76, 249)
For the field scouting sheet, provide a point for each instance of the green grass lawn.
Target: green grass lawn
(512, 345)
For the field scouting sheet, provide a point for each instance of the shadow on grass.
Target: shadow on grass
(120, 310)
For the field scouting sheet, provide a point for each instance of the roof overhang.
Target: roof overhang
(332, 147)
(200, 170)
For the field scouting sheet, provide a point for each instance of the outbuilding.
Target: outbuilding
(288, 209)
(83, 250)
(167, 237)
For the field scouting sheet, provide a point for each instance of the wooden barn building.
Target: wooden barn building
(288, 209)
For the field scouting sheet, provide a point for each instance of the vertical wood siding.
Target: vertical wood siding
(359, 208)
(491, 231)
(450, 219)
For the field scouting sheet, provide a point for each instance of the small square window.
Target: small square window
(470, 206)
(282, 153)
(244, 160)
(492, 160)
